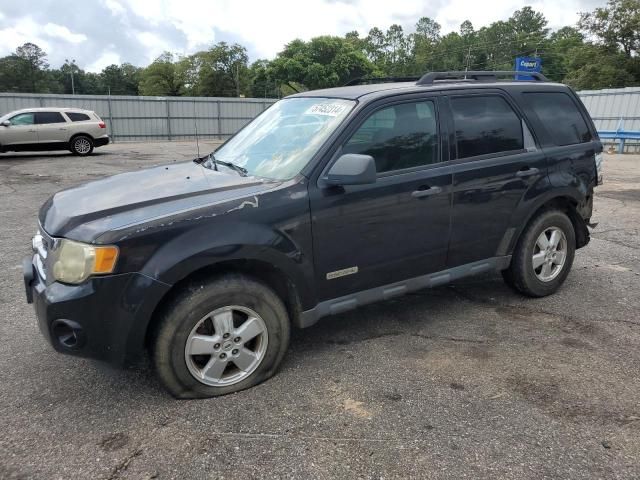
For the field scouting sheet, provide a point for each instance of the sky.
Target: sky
(100, 33)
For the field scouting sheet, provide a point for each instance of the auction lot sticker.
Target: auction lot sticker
(329, 109)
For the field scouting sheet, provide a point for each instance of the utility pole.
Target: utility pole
(72, 65)
(466, 69)
(237, 79)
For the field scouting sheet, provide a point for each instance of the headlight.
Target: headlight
(74, 262)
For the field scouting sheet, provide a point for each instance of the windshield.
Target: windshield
(281, 141)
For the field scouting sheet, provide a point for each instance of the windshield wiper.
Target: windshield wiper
(211, 160)
(241, 170)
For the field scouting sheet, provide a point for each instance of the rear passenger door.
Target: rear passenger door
(52, 128)
(496, 163)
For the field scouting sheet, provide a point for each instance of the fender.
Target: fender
(530, 204)
(196, 249)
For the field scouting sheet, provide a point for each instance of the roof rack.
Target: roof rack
(367, 81)
(478, 76)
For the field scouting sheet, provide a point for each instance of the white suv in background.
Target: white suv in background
(52, 129)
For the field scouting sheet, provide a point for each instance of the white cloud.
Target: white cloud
(106, 59)
(268, 26)
(154, 45)
(138, 31)
(63, 33)
(23, 30)
(115, 7)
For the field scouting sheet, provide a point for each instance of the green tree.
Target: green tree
(163, 77)
(261, 83)
(617, 24)
(33, 64)
(322, 62)
(557, 51)
(425, 41)
(609, 71)
(221, 71)
(119, 79)
(14, 74)
(375, 48)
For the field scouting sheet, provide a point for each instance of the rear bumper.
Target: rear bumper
(101, 141)
(105, 318)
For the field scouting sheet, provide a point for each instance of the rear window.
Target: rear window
(559, 113)
(49, 117)
(77, 117)
(485, 125)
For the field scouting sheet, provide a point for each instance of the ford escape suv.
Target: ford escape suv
(328, 200)
(45, 129)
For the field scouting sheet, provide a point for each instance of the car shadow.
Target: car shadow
(41, 155)
(405, 316)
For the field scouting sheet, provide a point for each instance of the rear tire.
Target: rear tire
(199, 337)
(81, 145)
(538, 268)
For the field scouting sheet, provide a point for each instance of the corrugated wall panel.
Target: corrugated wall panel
(615, 108)
(152, 118)
(145, 118)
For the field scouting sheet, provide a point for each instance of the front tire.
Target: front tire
(81, 145)
(220, 336)
(543, 256)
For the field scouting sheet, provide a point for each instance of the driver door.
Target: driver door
(22, 131)
(365, 236)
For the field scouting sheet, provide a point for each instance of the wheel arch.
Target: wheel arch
(265, 272)
(566, 203)
(77, 134)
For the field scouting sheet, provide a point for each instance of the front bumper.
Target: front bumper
(104, 318)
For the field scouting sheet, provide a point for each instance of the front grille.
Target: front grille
(41, 244)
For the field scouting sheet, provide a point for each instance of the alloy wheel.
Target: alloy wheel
(549, 254)
(226, 346)
(82, 146)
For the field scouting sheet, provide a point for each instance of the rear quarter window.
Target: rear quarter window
(78, 117)
(560, 116)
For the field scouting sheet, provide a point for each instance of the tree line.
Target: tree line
(600, 51)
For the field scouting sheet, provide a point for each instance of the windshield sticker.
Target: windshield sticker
(329, 109)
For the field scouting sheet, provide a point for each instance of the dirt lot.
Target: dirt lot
(464, 381)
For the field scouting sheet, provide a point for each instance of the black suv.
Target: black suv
(328, 200)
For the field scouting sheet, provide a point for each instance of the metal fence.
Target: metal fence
(131, 118)
(615, 110)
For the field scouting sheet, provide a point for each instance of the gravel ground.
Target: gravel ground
(464, 381)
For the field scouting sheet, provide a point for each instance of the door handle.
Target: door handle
(527, 172)
(31, 131)
(62, 129)
(426, 192)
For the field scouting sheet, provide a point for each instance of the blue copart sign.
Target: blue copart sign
(527, 64)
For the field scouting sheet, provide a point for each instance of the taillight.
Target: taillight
(102, 125)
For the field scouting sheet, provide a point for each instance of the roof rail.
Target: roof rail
(368, 81)
(479, 76)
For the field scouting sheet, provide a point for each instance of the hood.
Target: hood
(85, 212)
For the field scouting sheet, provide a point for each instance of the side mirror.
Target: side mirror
(6, 123)
(352, 169)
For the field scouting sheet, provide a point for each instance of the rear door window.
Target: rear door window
(485, 124)
(49, 117)
(560, 115)
(77, 116)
